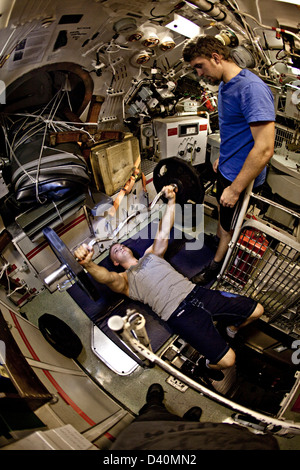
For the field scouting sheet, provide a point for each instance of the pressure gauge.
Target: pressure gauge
(147, 131)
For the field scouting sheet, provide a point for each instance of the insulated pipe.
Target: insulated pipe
(223, 15)
(214, 11)
(275, 425)
(229, 20)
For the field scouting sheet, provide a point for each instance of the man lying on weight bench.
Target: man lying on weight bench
(188, 309)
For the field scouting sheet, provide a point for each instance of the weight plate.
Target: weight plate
(175, 170)
(65, 256)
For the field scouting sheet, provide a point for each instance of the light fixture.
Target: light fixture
(166, 42)
(125, 25)
(136, 36)
(184, 26)
(150, 38)
(293, 2)
(140, 58)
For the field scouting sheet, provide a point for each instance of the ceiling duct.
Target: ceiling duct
(219, 14)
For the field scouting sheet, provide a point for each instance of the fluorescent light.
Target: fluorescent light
(293, 2)
(294, 70)
(183, 26)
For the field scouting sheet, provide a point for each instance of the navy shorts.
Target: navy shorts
(193, 320)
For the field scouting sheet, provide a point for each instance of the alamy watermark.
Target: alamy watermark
(2, 353)
(2, 92)
(296, 354)
(188, 224)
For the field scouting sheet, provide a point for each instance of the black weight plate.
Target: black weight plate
(65, 256)
(178, 171)
(60, 335)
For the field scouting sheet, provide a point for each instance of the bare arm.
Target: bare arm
(117, 282)
(259, 156)
(161, 241)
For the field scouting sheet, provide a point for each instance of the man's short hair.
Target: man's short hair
(111, 247)
(204, 46)
(134, 252)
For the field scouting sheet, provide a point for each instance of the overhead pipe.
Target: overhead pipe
(226, 17)
(219, 14)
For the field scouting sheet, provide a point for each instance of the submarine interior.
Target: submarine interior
(98, 112)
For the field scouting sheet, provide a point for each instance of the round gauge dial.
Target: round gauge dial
(148, 131)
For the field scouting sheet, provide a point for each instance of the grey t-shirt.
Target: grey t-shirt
(155, 282)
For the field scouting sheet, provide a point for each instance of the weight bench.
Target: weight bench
(105, 343)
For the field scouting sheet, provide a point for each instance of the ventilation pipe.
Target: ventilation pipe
(223, 15)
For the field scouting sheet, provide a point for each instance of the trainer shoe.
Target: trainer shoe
(213, 374)
(207, 274)
(230, 332)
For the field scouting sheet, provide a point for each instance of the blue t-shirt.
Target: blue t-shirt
(243, 100)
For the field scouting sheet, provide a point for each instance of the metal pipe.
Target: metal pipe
(122, 327)
(238, 226)
(214, 11)
(56, 275)
(275, 204)
(280, 427)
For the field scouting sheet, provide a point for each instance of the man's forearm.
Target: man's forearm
(253, 166)
(255, 162)
(99, 273)
(167, 221)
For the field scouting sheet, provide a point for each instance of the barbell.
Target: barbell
(190, 190)
(69, 265)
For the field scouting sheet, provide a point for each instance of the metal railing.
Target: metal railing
(263, 263)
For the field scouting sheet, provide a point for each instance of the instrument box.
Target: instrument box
(113, 163)
(182, 136)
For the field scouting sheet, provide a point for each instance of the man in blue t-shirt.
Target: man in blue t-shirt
(247, 131)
